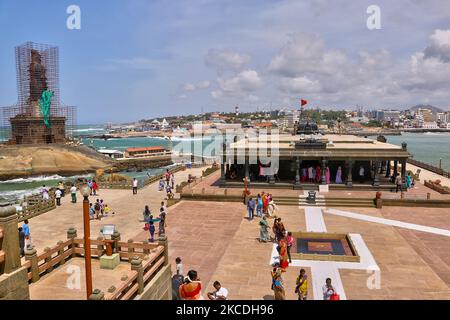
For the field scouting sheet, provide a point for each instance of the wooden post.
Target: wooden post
(136, 265)
(30, 255)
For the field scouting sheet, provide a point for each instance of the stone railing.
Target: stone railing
(437, 187)
(145, 258)
(128, 184)
(429, 167)
(36, 208)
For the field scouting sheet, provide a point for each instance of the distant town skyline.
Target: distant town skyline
(140, 59)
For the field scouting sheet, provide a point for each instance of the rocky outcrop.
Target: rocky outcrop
(25, 161)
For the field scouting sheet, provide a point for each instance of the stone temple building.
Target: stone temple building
(38, 117)
(287, 161)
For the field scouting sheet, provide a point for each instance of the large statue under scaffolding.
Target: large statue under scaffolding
(38, 117)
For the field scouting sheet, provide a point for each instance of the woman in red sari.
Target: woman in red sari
(284, 259)
(191, 289)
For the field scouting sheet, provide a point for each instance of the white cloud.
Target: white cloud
(199, 86)
(440, 46)
(226, 59)
(299, 85)
(247, 80)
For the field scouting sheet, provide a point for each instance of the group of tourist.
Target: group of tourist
(99, 210)
(150, 221)
(60, 192)
(189, 287)
(263, 205)
(167, 183)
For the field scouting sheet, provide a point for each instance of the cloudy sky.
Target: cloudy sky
(140, 59)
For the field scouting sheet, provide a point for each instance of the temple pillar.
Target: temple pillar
(388, 168)
(349, 166)
(395, 168)
(403, 174)
(323, 171)
(297, 171)
(376, 170)
(246, 168)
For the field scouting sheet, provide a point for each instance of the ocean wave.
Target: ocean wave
(43, 178)
(89, 129)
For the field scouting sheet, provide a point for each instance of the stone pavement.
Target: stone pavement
(68, 281)
(52, 226)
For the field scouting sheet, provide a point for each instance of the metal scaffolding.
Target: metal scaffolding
(37, 68)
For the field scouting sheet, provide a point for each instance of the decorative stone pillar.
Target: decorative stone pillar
(130, 249)
(48, 259)
(395, 168)
(403, 174)
(97, 295)
(349, 166)
(388, 169)
(376, 170)
(164, 242)
(297, 171)
(136, 265)
(10, 241)
(116, 238)
(323, 171)
(31, 255)
(246, 168)
(72, 234)
(145, 250)
(61, 252)
(100, 247)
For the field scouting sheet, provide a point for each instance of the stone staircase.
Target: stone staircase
(321, 201)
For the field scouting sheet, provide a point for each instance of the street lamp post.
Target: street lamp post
(85, 192)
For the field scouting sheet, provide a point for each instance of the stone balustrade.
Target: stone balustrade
(146, 260)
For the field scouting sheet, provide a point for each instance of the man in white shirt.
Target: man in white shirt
(220, 294)
(58, 194)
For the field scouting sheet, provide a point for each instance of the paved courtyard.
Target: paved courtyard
(409, 246)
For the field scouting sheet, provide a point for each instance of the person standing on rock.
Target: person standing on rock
(73, 193)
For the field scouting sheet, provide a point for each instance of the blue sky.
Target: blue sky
(140, 59)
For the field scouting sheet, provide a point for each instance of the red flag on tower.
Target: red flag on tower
(303, 102)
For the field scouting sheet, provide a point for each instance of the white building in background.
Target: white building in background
(430, 125)
(291, 118)
(165, 124)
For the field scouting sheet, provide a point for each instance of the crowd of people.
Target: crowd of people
(263, 207)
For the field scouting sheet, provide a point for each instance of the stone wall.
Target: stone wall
(14, 285)
(160, 287)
